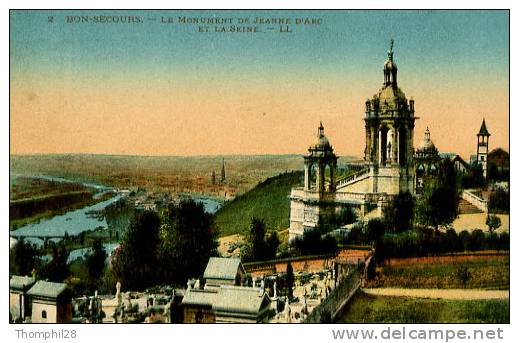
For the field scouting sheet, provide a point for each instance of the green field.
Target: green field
(269, 201)
(366, 308)
(485, 272)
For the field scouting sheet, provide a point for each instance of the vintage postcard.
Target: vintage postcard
(259, 166)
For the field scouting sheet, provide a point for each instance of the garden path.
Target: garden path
(451, 294)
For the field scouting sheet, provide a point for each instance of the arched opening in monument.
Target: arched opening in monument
(402, 139)
(384, 146)
(328, 177)
(312, 176)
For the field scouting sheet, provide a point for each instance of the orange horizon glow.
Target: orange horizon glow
(275, 116)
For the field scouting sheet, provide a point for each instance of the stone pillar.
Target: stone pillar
(394, 145)
(367, 154)
(332, 178)
(410, 149)
(398, 146)
(373, 143)
(380, 207)
(307, 176)
(321, 179)
(318, 174)
(380, 153)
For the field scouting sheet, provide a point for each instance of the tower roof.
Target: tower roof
(390, 96)
(483, 130)
(322, 148)
(427, 143)
(322, 140)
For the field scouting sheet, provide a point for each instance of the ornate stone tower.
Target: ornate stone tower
(317, 197)
(482, 156)
(320, 165)
(426, 161)
(389, 122)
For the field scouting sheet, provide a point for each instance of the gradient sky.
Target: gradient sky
(166, 89)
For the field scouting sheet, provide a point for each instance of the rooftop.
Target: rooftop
(228, 299)
(47, 289)
(483, 130)
(240, 300)
(223, 268)
(21, 282)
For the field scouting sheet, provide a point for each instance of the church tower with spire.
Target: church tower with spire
(482, 150)
(222, 172)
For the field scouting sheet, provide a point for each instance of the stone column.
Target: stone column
(374, 144)
(394, 145)
(332, 175)
(307, 176)
(380, 152)
(367, 154)
(410, 134)
(318, 174)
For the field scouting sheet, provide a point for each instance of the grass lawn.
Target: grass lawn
(269, 201)
(485, 272)
(366, 308)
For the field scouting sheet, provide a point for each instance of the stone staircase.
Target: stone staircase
(345, 181)
(465, 207)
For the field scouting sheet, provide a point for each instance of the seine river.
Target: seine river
(79, 220)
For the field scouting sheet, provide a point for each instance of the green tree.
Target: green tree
(499, 201)
(290, 280)
(23, 258)
(188, 239)
(135, 263)
(272, 243)
(375, 229)
(347, 216)
(399, 214)
(474, 177)
(95, 263)
(477, 240)
(257, 239)
(57, 270)
(493, 222)
(438, 205)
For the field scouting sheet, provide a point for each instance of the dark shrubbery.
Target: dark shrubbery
(314, 243)
(423, 242)
(474, 177)
(499, 201)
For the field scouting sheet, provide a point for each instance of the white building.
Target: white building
(51, 302)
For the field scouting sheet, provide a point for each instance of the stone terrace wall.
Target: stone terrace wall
(304, 263)
(314, 263)
(328, 310)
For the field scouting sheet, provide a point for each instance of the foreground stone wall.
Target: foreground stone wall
(347, 286)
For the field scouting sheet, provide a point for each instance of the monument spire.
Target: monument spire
(390, 51)
(390, 69)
